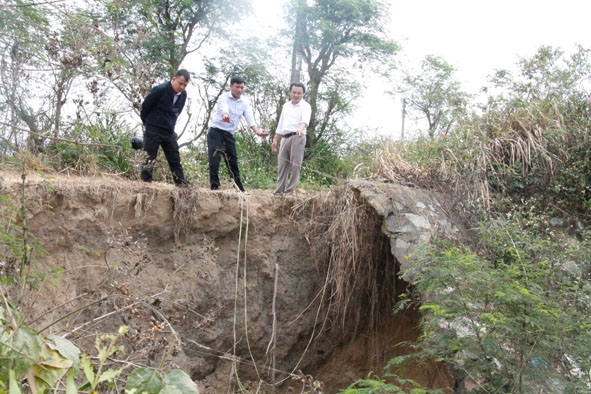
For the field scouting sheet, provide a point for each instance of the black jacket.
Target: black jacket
(158, 110)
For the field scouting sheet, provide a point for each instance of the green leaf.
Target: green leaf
(27, 342)
(177, 381)
(52, 367)
(71, 384)
(110, 374)
(12, 383)
(88, 370)
(24, 350)
(65, 348)
(144, 380)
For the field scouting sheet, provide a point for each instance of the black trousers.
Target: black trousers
(220, 144)
(155, 138)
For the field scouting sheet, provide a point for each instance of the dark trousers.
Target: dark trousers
(220, 144)
(155, 138)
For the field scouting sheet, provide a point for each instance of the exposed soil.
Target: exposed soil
(176, 266)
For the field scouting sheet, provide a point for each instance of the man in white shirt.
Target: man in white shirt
(230, 108)
(291, 130)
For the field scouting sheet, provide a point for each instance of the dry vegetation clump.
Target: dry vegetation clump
(401, 162)
(183, 211)
(351, 249)
(513, 151)
(391, 165)
(31, 161)
(521, 142)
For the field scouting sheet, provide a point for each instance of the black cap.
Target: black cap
(137, 143)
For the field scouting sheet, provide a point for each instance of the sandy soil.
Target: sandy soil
(210, 282)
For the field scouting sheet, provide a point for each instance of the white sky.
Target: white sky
(475, 36)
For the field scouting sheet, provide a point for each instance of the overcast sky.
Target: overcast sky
(474, 36)
(479, 36)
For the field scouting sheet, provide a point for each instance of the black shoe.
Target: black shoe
(215, 188)
(182, 184)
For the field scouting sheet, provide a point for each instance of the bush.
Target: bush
(512, 317)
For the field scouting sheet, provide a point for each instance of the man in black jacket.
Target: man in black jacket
(159, 113)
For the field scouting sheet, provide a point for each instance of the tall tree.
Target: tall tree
(335, 34)
(68, 54)
(21, 30)
(145, 40)
(435, 95)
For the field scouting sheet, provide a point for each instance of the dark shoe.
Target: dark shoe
(182, 184)
(215, 188)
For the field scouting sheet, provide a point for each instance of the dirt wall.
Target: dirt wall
(223, 285)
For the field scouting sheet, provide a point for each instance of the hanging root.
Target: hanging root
(348, 241)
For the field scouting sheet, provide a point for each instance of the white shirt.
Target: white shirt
(292, 117)
(236, 108)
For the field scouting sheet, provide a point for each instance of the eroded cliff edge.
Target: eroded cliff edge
(175, 265)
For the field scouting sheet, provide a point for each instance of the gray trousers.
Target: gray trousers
(291, 155)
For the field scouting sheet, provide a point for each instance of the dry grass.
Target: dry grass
(391, 165)
(466, 164)
(350, 247)
(183, 211)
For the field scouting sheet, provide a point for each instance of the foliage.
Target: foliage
(21, 31)
(106, 346)
(435, 95)
(146, 40)
(324, 166)
(256, 160)
(539, 128)
(499, 314)
(151, 381)
(68, 53)
(24, 353)
(374, 385)
(530, 142)
(45, 360)
(102, 144)
(332, 32)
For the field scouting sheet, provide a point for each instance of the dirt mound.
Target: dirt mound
(224, 285)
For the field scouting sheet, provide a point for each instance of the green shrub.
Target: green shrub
(514, 316)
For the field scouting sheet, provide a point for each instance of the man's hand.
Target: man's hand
(262, 134)
(274, 146)
(226, 118)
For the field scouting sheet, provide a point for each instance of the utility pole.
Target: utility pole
(296, 65)
(403, 116)
(296, 56)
